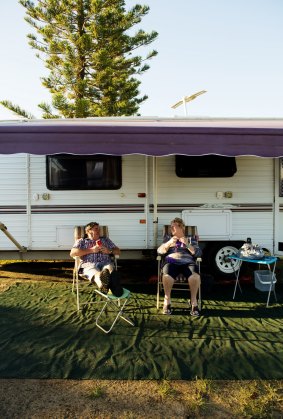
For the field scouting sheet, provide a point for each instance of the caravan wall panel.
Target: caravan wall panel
(14, 192)
(251, 204)
(53, 220)
(47, 224)
(13, 182)
(252, 184)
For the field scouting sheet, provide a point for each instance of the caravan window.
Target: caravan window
(281, 177)
(69, 172)
(205, 166)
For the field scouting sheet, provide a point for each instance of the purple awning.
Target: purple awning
(154, 137)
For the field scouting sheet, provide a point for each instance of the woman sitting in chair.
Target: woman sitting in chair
(180, 253)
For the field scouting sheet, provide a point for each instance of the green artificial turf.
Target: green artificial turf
(43, 336)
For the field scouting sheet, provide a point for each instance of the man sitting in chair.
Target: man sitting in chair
(180, 258)
(96, 254)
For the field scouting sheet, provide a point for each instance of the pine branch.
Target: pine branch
(16, 109)
(47, 111)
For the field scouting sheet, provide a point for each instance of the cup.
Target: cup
(98, 242)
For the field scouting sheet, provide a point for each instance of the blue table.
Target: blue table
(267, 260)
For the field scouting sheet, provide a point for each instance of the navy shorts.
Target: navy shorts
(174, 270)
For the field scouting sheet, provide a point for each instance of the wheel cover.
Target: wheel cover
(224, 264)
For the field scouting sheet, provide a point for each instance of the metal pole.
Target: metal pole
(185, 106)
(5, 231)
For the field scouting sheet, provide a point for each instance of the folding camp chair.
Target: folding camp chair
(79, 233)
(117, 304)
(179, 285)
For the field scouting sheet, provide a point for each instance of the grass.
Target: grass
(258, 400)
(203, 398)
(97, 392)
(165, 389)
(198, 401)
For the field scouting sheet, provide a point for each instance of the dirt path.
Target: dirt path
(58, 399)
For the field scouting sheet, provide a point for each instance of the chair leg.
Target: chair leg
(76, 281)
(158, 294)
(78, 294)
(119, 314)
(76, 284)
(158, 285)
(199, 290)
(73, 284)
(199, 298)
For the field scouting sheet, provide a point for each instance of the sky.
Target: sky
(233, 49)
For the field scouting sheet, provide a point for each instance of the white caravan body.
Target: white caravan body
(226, 210)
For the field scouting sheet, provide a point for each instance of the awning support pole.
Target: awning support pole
(155, 214)
(9, 235)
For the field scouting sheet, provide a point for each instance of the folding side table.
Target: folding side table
(267, 260)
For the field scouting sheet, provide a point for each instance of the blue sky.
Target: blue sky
(231, 48)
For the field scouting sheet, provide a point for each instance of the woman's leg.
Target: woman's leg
(168, 278)
(168, 283)
(194, 284)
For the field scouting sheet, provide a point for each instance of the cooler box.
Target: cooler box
(263, 279)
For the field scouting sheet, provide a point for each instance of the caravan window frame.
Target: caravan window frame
(83, 172)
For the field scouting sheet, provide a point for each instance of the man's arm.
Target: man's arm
(75, 251)
(110, 248)
(115, 251)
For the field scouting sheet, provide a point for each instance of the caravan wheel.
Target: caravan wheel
(218, 262)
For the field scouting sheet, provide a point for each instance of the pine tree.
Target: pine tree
(88, 47)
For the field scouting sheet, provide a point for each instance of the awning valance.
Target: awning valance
(153, 137)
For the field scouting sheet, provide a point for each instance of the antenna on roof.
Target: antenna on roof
(186, 99)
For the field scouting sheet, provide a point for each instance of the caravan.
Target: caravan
(135, 175)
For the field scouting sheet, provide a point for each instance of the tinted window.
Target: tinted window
(205, 166)
(281, 177)
(66, 171)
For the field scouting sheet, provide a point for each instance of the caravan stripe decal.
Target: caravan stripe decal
(14, 209)
(237, 208)
(135, 208)
(74, 209)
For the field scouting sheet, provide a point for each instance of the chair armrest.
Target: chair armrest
(199, 259)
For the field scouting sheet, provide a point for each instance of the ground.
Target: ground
(87, 399)
(83, 399)
(75, 399)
